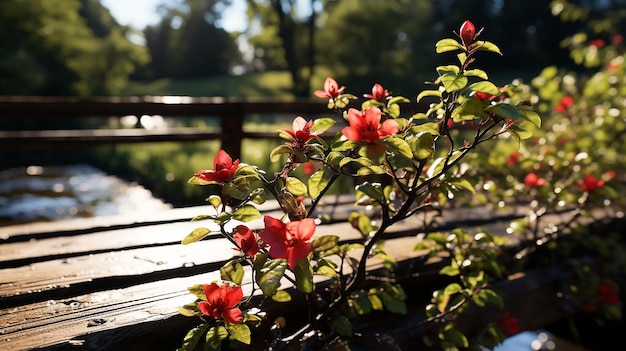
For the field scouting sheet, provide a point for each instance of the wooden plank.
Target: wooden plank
(40, 107)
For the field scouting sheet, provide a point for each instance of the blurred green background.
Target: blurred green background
(282, 49)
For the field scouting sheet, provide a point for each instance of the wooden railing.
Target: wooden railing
(231, 113)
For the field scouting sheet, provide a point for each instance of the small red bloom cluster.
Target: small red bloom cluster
(221, 302)
(467, 33)
(331, 89)
(509, 324)
(301, 132)
(378, 93)
(564, 105)
(590, 183)
(288, 240)
(534, 181)
(223, 169)
(607, 294)
(365, 126)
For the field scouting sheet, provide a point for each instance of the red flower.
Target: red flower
(288, 240)
(618, 38)
(598, 43)
(366, 127)
(467, 33)
(245, 239)
(533, 181)
(378, 93)
(590, 183)
(607, 294)
(302, 131)
(308, 168)
(509, 324)
(513, 158)
(331, 89)
(563, 105)
(223, 169)
(221, 302)
(482, 96)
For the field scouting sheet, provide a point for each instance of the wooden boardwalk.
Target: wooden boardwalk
(115, 283)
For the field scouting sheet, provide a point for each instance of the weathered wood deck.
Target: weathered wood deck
(115, 283)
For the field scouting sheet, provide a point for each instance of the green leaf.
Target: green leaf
(281, 296)
(430, 127)
(453, 82)
(317, 182)
(296, 187)
(377, 303)
(445, 45)
(450, 270)
(189, 310)
(470, 109)
(246, 213)
(333, 158)
(198, 291)
(215, 336)
(371, 190)
(531, 116)
(392, 304)
(196, 235)
(452, 289)
(449, 69)
(323, 243)
(400, 146)
(269, 275)
(342, 326)
(214, 200)
(504, 110)
(361, 222)
(240, 332)
(232, 271)
(456, 337)
(462, 183)
(326, 271)
(394, 110)
(192, 337)
(278, 151)
(235, 191)
(322, 124)
(422, 146)
(487, 46)
(304, 276)
(202, 217)
(476, 73)
(425, 93)
(484, 87)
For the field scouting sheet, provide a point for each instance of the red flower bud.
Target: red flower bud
(467, 33)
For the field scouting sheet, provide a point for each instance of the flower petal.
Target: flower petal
(305, 229)
(233, 316)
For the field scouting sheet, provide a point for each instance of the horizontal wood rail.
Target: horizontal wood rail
(231, 113)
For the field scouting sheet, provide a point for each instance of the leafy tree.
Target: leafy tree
(187, 43)
(48, 48)
(283, 38)
(365, 40)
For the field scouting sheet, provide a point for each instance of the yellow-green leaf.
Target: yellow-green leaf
(445, 45)
(196, 235)
(192, 337)
(296, 187)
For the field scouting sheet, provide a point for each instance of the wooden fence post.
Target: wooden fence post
(232, 133)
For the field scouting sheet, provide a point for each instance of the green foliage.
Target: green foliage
(50, 49)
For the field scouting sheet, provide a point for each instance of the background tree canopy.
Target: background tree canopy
(75, 47)
(63, 47)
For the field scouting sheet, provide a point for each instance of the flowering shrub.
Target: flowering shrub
(402, 165)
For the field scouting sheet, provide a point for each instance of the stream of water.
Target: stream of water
(36, 193)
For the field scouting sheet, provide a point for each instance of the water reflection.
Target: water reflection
(37, 193)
